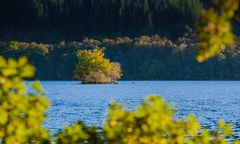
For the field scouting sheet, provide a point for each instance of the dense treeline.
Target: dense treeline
(97, 17)
(142, 58)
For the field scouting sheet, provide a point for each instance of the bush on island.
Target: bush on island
(92, 67)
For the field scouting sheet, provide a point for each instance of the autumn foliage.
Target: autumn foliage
(92, 67)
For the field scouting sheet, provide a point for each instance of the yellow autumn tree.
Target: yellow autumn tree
(92, 67)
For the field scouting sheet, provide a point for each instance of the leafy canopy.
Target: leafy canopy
(215, 28)
(21, 111)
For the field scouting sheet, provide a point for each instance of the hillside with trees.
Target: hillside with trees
(71, 19)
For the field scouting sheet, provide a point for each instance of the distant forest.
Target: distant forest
(97, 17)
(142, 58)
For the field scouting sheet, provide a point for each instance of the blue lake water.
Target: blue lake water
(208, 100)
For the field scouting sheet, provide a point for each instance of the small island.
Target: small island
(93, 68)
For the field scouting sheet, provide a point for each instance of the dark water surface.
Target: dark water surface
(208, 100)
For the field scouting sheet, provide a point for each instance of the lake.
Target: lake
(208, 100)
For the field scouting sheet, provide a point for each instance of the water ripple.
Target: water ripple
(208, 100)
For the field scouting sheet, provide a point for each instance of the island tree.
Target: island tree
(92, 67)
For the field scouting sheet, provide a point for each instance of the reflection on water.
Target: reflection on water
(208, 100)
